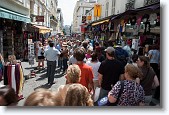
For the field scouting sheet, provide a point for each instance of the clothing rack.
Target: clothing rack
(13, 76)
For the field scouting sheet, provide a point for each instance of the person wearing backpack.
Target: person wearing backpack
(121, 55)
(110, 71)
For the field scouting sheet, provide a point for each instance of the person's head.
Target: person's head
(78, 95)
(110, 52)
(51, 44)
(143, 61)
(64, 45)
(49, 41)
(40, 45)
(96, 44)
(135, 58)
(132, 72)
(79, 54)
(7, 96)
(94, 56)
(73, 73)
(84, 44)
(89, 51)
(42, 97)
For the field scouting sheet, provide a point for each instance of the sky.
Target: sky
(67, 8)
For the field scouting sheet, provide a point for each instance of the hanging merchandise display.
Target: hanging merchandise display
(31, 52)
(135, 44)
(13, 75)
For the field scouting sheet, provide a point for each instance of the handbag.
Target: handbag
(105, 101)
(97, 93)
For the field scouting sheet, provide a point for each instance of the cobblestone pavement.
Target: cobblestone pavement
(40, 81)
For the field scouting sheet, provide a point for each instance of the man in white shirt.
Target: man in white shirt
(51, 55)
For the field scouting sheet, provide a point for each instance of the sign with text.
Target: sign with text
(39, 18)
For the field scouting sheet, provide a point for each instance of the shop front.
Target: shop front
(12, 25)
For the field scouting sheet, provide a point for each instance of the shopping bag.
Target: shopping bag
(97, 93)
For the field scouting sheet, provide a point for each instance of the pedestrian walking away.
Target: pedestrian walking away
(51, 55)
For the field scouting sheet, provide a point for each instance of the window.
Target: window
(113, 7)
(107, 9)
(86, 11)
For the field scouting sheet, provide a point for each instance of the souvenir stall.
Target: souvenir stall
(142, 26)
(13, 75)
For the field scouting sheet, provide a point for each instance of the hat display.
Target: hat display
(109, 49)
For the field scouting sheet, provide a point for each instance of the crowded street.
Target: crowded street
(94, 53)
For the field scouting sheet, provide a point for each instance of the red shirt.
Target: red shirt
(86, 75)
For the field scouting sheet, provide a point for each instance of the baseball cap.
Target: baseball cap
(109, 50)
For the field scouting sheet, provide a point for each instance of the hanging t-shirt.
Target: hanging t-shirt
(139, 20)
(152, 18)
(135, 44)
(133, 20)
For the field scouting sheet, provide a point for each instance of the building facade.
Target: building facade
(14, 18)
(59, 28)
(79, 16)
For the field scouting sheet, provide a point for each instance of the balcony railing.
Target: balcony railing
(130, 6)
(149, 2)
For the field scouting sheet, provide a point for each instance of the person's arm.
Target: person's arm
(121, 77)
(111, 98)
(100, 77)
(150, 54)
(155, 82)
(138, 80)
(141, 104)
(91, 84)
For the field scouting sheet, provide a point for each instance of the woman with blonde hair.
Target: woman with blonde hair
(42, 97)
(72, 76)
(132, 93)
(78, 95)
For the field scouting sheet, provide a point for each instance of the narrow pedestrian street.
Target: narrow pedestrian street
(69, 48)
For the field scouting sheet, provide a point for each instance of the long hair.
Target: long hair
(133, 71)
(145, 60)
(78, 95)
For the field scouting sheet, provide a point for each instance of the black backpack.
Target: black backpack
(121, 55)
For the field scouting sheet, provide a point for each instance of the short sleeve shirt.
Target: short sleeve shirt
(86, 74)
(131, 95)
(111, 70)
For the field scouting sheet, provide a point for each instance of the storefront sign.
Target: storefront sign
(13, 16)
(39, 18)
(97, 10)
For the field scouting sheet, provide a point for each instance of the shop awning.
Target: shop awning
(42, 29)
(4, 13)
(100, 22)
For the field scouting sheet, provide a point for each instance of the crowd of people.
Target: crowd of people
(123, 76)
